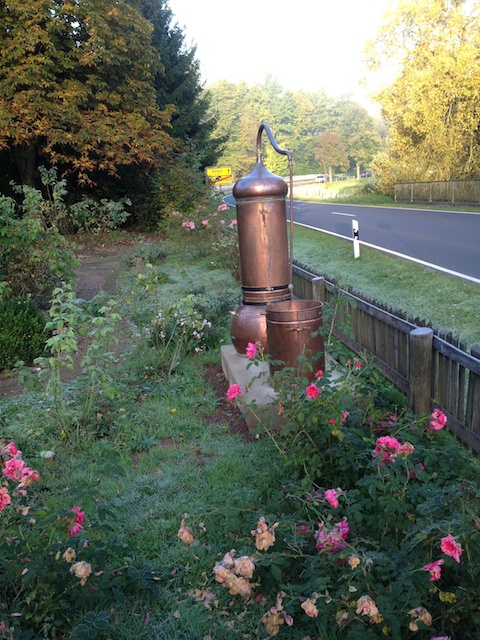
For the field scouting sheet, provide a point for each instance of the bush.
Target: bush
(379, 530)
(22, 334)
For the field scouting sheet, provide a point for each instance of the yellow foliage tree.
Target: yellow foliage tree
(433, 104)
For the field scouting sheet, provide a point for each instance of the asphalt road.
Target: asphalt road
(448, 241)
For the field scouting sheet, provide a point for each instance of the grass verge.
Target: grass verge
(447, 302)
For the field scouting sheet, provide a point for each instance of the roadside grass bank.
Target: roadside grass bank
(447, 302)
(149, 519)
(363, 193)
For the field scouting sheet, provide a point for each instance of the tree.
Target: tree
(330, 152)
(177, 82)
(76, 88)
(357, 132)
(433, 105)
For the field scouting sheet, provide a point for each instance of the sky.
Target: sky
(307, 44)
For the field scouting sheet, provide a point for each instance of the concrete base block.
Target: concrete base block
(255, 383)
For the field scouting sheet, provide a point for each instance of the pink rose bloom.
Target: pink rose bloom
(4, 498)
(223, 207)
(77, 525)
(451, 548)
(12, 449)
(435, 570)
(205, 222)
(331, 497)
(438, 420)
(251, 350)
(234, 391)
(387, 449)
(442, 638)
(319, 373)
(13, 468)
(312, 391)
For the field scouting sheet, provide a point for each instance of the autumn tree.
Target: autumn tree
(76, 88)
(433, 104)
(330, 152)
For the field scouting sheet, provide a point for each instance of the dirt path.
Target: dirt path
(98, 271)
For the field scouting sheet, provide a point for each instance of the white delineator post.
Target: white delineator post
(356, 241)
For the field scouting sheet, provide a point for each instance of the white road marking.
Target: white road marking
(338, 213)
(397, 254)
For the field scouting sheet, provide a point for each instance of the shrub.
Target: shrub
(22, 334)
(379, 529)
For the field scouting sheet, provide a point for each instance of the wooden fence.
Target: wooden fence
(428, 365)
(455, 191)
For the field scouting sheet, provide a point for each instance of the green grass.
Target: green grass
(446, 301)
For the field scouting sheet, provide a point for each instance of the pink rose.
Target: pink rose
(451, 548)
(435, 570)
(251, 350)
(438, 420)
(13, 468)
(234, 391)
(312, 391)
(331, 497)
(387, 449)
(4, 498)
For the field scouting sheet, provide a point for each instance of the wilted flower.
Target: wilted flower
(451, 548)
(244, 567)
(274, 618)
(419, 614)
(331, 540)
(353, 561)
(69, 555)
(82, 570)
(264, 535)
(366, 607)
(232, 573)
(185, 533)
(309, 607)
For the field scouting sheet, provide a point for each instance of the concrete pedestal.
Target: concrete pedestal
(254, 381)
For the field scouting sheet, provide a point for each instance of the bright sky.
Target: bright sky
(308, 44)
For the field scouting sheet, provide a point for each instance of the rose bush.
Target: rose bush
(380, 535)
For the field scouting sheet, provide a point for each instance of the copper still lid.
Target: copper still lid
(260, 183)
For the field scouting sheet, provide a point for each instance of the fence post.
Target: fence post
(318, 289)
(420, 374)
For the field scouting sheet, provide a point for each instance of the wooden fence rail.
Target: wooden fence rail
(432, 368)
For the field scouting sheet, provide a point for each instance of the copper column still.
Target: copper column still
(266, 271)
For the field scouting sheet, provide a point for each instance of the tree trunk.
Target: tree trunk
(26, 159)
(358, 170)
